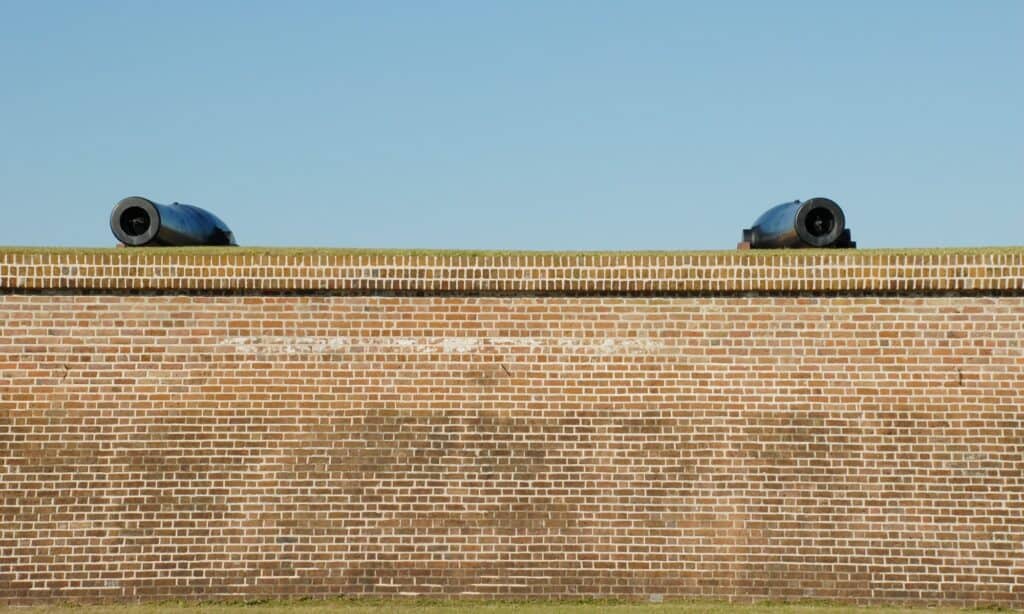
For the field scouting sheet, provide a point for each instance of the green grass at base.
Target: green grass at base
(358, 606)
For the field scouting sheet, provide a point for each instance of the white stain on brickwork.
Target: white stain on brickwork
(459, 345)
(613, 345)
(440, 345)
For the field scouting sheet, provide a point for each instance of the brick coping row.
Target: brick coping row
(839, 271)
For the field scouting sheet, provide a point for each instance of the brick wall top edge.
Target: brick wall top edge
(792, 271)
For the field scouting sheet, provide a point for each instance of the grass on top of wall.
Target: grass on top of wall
(342, 251)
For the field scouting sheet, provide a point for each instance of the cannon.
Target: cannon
(816, 222)
(138, 221)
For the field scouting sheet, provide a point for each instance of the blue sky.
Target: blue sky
(551, 124)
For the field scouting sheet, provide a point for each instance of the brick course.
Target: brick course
(841, 425)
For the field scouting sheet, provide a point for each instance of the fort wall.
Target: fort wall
(199, 424)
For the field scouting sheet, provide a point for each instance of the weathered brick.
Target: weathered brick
(841, 426)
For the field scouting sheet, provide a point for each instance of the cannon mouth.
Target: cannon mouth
(135, 221)
(820, 222)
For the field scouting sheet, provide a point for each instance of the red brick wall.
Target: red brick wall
(624, 427)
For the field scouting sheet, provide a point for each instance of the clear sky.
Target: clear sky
(521, 124)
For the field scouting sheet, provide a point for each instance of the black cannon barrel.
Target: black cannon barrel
(138, 221)
(816, 222)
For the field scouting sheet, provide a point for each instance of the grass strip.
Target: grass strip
(342, 251)
(413, 606)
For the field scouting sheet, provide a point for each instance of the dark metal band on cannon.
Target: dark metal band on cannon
(138, 221)
(816, 222)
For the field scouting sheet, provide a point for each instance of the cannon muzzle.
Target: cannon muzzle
(816, 222)
(138, 221)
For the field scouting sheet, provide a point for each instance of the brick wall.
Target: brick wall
(842, 425)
